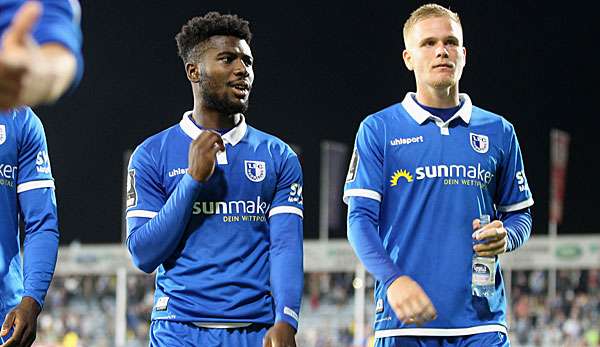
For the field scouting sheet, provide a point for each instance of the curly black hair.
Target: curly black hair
(200, 29)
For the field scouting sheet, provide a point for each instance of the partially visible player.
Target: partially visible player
(40, 51)
(422, 173)
(26, 194)
(216, 205)
(40, 58)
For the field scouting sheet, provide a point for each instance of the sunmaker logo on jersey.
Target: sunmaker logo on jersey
(235, 210)
(42, 162)
(454, 174)
(7, 175)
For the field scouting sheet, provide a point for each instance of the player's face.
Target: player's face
(435, 53)
(226, 74)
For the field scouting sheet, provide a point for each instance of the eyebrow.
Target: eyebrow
(433, 38)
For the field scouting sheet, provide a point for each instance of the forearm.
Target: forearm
(518, 227)
(287, 274)
(152, 241)
(60, 69)
(363, 216)
(41, 241)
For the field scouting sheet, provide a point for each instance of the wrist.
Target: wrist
(31, 305)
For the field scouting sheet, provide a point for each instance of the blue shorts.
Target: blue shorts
(165, 333)
(493, 339)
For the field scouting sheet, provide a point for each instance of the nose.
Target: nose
(441, 51)
(240, 68)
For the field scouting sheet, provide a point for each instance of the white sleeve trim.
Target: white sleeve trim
(441, 332)
(23, 187)
(141, 213)
(285, 209)
(515, 207)
(365, 193)
(288, 311)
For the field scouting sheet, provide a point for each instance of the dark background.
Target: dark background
(320, 68)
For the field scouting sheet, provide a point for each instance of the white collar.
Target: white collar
(420, 115)
(231, 137)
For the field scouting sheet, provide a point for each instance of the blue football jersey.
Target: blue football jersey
(432, 178)
(24, 165)
(220, 270)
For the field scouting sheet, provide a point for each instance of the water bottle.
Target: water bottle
(483, 280)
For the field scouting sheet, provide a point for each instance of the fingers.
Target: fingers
(490, 248)
(22, 24)
(18, 333)
(409, 302)
(8, 323)
(494, 231)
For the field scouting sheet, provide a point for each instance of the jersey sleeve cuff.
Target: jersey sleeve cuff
(288, 316)
(365, 193)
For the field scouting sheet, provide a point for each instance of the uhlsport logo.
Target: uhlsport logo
(480, 143)
(2, 133)
(400, 174)
(453, 174)
(255, 170)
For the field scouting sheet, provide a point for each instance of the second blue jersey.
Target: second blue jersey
(220, 271)
(432, 179)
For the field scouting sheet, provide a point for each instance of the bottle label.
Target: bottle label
(484, 271)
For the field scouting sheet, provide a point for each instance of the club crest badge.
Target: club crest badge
(2, 133)
(480, 143)
(255, 170)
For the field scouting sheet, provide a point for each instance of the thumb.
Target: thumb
(8, 323)
(22, 24)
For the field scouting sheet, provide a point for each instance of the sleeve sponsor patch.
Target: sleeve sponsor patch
(351, 176)
(131, 192)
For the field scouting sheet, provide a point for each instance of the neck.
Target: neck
(211, 119)
(438, 98)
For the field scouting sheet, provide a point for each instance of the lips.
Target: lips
(241, 89)
(443, 65)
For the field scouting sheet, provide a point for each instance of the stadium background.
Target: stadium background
(320, 68)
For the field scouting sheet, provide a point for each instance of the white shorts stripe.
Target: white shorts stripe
(515, 207)
(441, 332)
(141, 213)
(285, 209)
(365, 193)
(23, 187)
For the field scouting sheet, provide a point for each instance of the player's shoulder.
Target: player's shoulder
(377, 121)
(481, 116)
(156, 143)
(275, 145)
(23, 116)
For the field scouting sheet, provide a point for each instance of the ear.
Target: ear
(407, 59)
(193, 72)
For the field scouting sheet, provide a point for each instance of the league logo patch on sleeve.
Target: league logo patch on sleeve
(255, 170)
(480, 143)
(351, 176)
(131, 192)
(2, 133)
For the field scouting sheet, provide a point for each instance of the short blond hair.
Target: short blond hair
(428, 11)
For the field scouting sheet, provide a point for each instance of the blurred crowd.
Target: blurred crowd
(80, 311)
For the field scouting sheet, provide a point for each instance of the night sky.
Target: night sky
(320, 68)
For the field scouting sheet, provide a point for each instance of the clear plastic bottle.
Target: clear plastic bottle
(483, 279)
